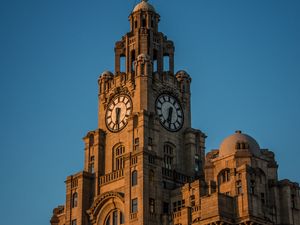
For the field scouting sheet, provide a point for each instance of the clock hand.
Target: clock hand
(118, 112)
(169, 119)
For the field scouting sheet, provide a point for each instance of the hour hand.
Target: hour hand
(118, 112)
(170, 115)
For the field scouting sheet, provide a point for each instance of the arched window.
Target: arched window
(224, 176)
(134, 178)
(119, 153)
(115, 217)
(168, 156)
(74, 200)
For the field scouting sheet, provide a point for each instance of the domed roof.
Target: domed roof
(144, 6)
(107, 74)
(239, 141)
(181, 74)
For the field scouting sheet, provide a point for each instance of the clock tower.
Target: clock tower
(144, 145)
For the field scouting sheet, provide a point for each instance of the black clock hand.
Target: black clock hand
(169, 119)
(118, 112)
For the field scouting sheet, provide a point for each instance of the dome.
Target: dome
(144, 6)
(239, 141)
(107, 75)
(182, 75)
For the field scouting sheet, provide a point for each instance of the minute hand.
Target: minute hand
(169, 119)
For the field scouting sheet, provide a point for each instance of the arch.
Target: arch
(224, 176)
(104, 204)
(118, 154)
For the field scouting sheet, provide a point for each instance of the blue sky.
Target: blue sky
(243, 57)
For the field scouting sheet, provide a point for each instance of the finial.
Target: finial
(238, 132)
(144, 0)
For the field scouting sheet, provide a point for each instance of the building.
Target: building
(145, 164)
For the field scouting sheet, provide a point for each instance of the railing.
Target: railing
(176, 214)
(196, 208)
(133, 216)
(173, 175)
(111, 177)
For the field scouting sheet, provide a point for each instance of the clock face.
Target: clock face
(118, 112)
(170, 112)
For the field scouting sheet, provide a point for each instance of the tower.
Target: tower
(144, 145)
(145, 165)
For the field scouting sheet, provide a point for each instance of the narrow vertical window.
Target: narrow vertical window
(239, 187)
(115, 218)
(166, 63)
(119, 153)
(134, 205)
(122, 63)
(262, 196)
(74, 222)
(74, 200)
(136, 144)
(134, 178)
(168, 157)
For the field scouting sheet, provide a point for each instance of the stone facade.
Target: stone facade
(146, 165)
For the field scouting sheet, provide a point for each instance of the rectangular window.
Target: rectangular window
(134, 205)
(134, 178)
(136, 144)
(74, 222)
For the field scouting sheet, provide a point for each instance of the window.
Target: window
(152, 205)
(224, 176)
(262, 197)
(192, 200)
(252, 186)
(74, 200)
(166, 208)
(122, 63)
(197, 163)
(74, 222)
(239, 187)
(168, 157)
(293, 201)
(178, 205)
(115, 217)
(151, 176)
(134, 178)
(119, 157)
(166, 62)
(144, 21)
(134, 205)
(132, 60)
(149, 143)
(91, 168)
(136, 144)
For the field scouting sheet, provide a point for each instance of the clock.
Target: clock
(118, 112)
(170, 112)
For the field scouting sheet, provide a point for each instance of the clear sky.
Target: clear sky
(243, 57)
